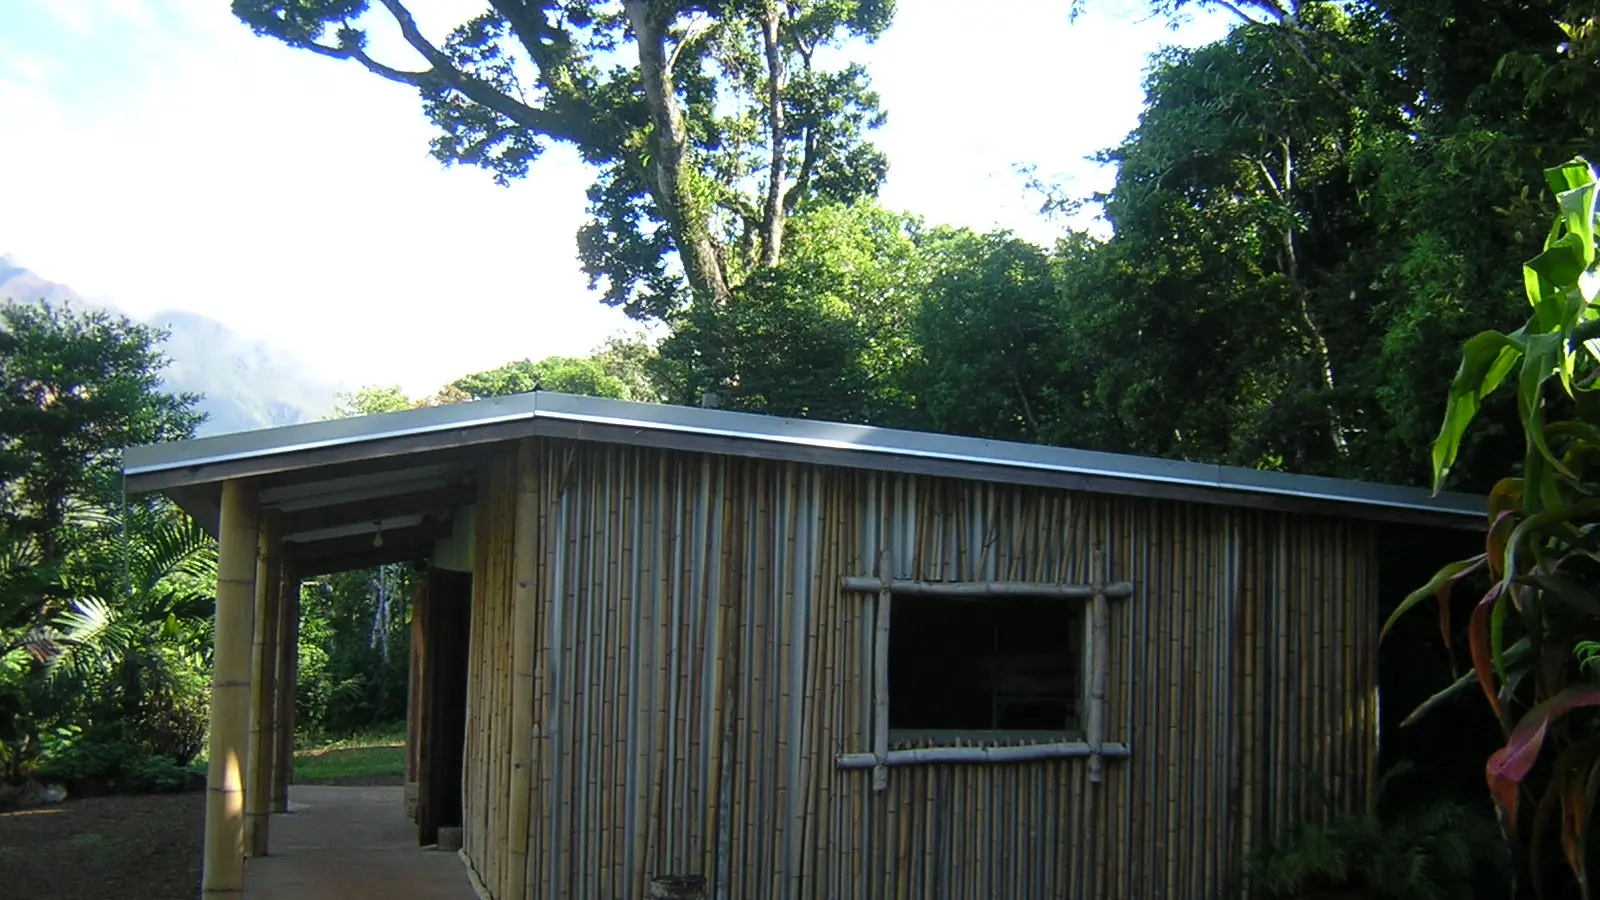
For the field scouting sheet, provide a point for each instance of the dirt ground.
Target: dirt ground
(129, 848)
(145, 847)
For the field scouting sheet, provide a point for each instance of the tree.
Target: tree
(1222, 316)
(105, 602)
(634, 360)
(825, 334)
(709, 122)
(372, 400)
(987, 334)
(562, 374)
(75, 388)
(1311, 214)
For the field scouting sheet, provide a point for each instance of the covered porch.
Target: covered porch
(336, 843)
(307, 507)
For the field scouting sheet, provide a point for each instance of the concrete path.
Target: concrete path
(351, 842)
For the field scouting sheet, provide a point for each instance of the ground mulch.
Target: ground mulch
(145, 847)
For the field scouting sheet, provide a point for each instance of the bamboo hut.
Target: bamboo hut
(807, 660)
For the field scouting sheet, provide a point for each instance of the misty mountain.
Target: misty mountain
(244, 384)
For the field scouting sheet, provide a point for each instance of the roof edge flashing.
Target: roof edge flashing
(429, 424)
(755, 429)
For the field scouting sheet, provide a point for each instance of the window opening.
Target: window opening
(988, 666)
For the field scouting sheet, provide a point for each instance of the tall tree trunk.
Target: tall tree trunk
(671, 184)
(1291, 268)
(773, 215)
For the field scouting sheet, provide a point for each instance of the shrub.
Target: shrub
(162, 775)
(1437, 851)
(99, 762)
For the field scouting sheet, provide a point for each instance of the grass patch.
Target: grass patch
(373, 757)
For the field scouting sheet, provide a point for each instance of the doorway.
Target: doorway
(441, 631)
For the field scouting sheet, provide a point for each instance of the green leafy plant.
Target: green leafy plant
(1432, 851)
(101, 760)
(1532, 634)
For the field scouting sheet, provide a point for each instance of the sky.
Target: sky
(154, 154)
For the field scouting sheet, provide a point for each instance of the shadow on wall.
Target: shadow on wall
(1453, 740)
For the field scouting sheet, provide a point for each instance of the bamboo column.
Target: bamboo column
(1099, 659)
(286, 680)
(223, 871)
(524, 635)
(880, 672)
(263, 708)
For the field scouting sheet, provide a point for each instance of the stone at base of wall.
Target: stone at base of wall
(678, 887)
(449, 837)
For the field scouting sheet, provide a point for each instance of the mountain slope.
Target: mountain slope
(244, 384)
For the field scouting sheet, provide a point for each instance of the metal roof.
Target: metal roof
(424, 454)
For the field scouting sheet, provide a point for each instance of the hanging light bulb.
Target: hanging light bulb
(377, 536)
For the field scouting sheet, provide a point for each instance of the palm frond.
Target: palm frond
(92, 635)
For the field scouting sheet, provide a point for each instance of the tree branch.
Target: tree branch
(802, 181)
(1267, 174)
(403, 76)
(697, 27)
(475, 89)
(1233, 8)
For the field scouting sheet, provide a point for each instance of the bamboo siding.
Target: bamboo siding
(699, 667)
(487, 775)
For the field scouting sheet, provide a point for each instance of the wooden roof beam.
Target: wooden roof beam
(370, 558)
(376, 509)
(305, 557)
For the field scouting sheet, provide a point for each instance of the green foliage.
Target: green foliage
(105, 604)
(986, 332)
(354, 650)
(370, 401)
(77, 387)
(563, 374)
(1438, 850)
(93, 762)
(1530, 635)
(825, 334)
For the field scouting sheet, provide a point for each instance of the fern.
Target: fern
(1436, 851)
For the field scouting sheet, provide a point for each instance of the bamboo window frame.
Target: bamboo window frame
(1096, 641)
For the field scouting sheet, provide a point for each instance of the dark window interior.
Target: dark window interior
(986, 664)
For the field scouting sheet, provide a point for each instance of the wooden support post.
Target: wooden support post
(223, 869)
(263, 677)
(524, 657)
(287, 682)
(414, 696)
(880, 673)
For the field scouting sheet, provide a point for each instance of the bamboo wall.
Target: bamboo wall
(699, 668)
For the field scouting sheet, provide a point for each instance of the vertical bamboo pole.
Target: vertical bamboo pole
(1098, 656)
(880, 673)
(223, 870)
(524, 639)
(287, 681)
(263, 668)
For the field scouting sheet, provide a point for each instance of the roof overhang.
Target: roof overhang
(338, 472)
